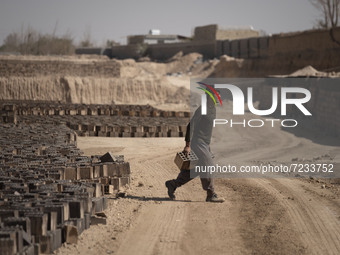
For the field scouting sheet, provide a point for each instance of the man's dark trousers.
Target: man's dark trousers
(202, 150)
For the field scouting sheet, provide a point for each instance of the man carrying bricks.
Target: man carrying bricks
(199, 130)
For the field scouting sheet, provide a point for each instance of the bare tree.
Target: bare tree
(30, 41)
(330, 11)
(87, 38)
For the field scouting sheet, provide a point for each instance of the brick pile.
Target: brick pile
(102, 120)
(49, 191)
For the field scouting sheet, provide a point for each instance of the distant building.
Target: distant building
(211, 41)
(155, 37)
(215, 33)
(154, 32)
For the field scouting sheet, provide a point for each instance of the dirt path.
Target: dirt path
(315, 217)
(260, 216)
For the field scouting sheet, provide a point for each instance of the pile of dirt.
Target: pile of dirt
(306, 71)
(105, 81)
(189, 64)
(228, 67)
(310, 71)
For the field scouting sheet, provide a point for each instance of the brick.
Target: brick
(87, 220)
(58, 209)
(57, 239)
(114, 134)
(96, 171)
(4, 213)
(123, 181)
(14, 233)
(103, 170)
(70, 173)
(24, 222)
(95, 220)
(45, 243)
(38, 223)
(7, 246)
(107, 157)
(79, 223)
(115, 183)
(138, 134)
(87, 203)
(76, 209)
(28, 250)
(184, 162)
(103, 134)
(97, 190)
(70, 234)
(104, 180)
(85, 172)
(97, 205)
(105, 203)
(161, 134)
(52, 220)
(123, 169)
(112, 170)
(109, 189)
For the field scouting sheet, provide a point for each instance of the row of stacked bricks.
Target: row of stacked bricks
(106, 126)
(103, 120)
(147, 129)
(49, 192)
(52, 108)
(8, 113)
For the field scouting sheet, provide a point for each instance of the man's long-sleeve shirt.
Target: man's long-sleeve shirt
(200, 126)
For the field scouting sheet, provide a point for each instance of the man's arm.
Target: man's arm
(190, 129)
(186, 149)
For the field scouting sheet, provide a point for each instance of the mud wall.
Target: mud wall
(283, 53)
(166, 51)
(206, 33)
(277, 54)
(323, 105)
(127, 51)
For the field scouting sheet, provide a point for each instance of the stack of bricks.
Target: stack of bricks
(106, 120)
(8, 113)
(49, 192)
(43, 108)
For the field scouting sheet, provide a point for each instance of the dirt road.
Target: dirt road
(260, 216)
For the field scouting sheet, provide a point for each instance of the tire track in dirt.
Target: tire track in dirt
(159, 227)
(263, 223)
(157, 231)
(257, 217)
(318, 224)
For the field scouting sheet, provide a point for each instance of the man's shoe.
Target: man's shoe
(215, 199)
(171, 189)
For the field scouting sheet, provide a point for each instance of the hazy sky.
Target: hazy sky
(116, 19)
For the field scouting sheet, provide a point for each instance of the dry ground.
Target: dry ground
(260, 216)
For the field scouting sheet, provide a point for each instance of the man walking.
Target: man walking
(197, 138)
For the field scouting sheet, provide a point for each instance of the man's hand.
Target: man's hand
(186, 150)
